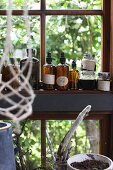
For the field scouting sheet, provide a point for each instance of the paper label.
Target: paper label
(103, 85)
(88, 65)
(49, 79)
(62, 81)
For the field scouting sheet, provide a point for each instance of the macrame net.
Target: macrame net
(14, 104)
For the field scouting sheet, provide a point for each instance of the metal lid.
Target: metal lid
(104, 75)
(89, 56)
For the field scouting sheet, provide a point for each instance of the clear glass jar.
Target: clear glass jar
(103, 81)
(87, 80)
(88, 62)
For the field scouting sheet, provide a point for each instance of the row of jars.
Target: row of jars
(59, 77)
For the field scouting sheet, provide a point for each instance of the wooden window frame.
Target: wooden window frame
(106, 119)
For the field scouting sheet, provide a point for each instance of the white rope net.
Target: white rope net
(13, 104)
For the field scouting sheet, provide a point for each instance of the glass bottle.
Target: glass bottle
(49, 74)
(73, 77)
(62, 74)
(8, 75)
(34, 77)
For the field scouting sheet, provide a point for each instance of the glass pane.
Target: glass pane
(75, 35)
(84, 140)
(19, 35)
(19, 4)
(74, 4)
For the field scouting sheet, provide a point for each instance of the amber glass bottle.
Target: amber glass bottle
(8, 75)
(49, 74)
(73, 77)
(34, 77)
(62, 74)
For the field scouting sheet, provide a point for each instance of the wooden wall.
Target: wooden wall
(111, 71)
(111, 41)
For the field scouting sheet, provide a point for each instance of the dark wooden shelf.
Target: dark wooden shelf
(72, 100)
(65, 104)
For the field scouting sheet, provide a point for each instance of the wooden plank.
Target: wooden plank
(43, 143)
(105, 136)
(66, 92)
(43, 35)
(111, 71)
(111, 137)
(72, 102)
(55, 12)
(42, 59)
(105, 36)
(111, 43)
(66, 115)
(43, 42)
(62, 115)
(74, 12)
(68, 102)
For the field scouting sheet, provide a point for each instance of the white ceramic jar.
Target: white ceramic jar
(103, 81)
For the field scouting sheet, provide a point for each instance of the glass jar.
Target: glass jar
(103, 81)
(88, 62)
(87, 80)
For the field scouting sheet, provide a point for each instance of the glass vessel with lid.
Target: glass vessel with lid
(88, 62)
(87, 80)
(103, 81)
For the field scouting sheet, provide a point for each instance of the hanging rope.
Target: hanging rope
(20, 108)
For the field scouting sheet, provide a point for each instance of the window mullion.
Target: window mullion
(42, 62)
(105, 36)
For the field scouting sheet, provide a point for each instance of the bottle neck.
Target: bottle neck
(73, 67)
(49, 62)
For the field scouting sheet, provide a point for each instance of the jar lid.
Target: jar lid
(89, 56)
(104, 75)
(12, 60)
(62, 58)
(89, 73)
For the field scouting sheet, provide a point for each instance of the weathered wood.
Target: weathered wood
(71, 131)
(50, 146)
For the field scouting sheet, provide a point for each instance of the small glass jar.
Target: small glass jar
(103, 81)
(88, 62)
(87, 80)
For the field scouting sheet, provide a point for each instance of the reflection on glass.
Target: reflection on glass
(75, 35)
(19, 35)
(19, 4)
(74, 4)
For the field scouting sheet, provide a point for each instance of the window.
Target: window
(45, 14)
